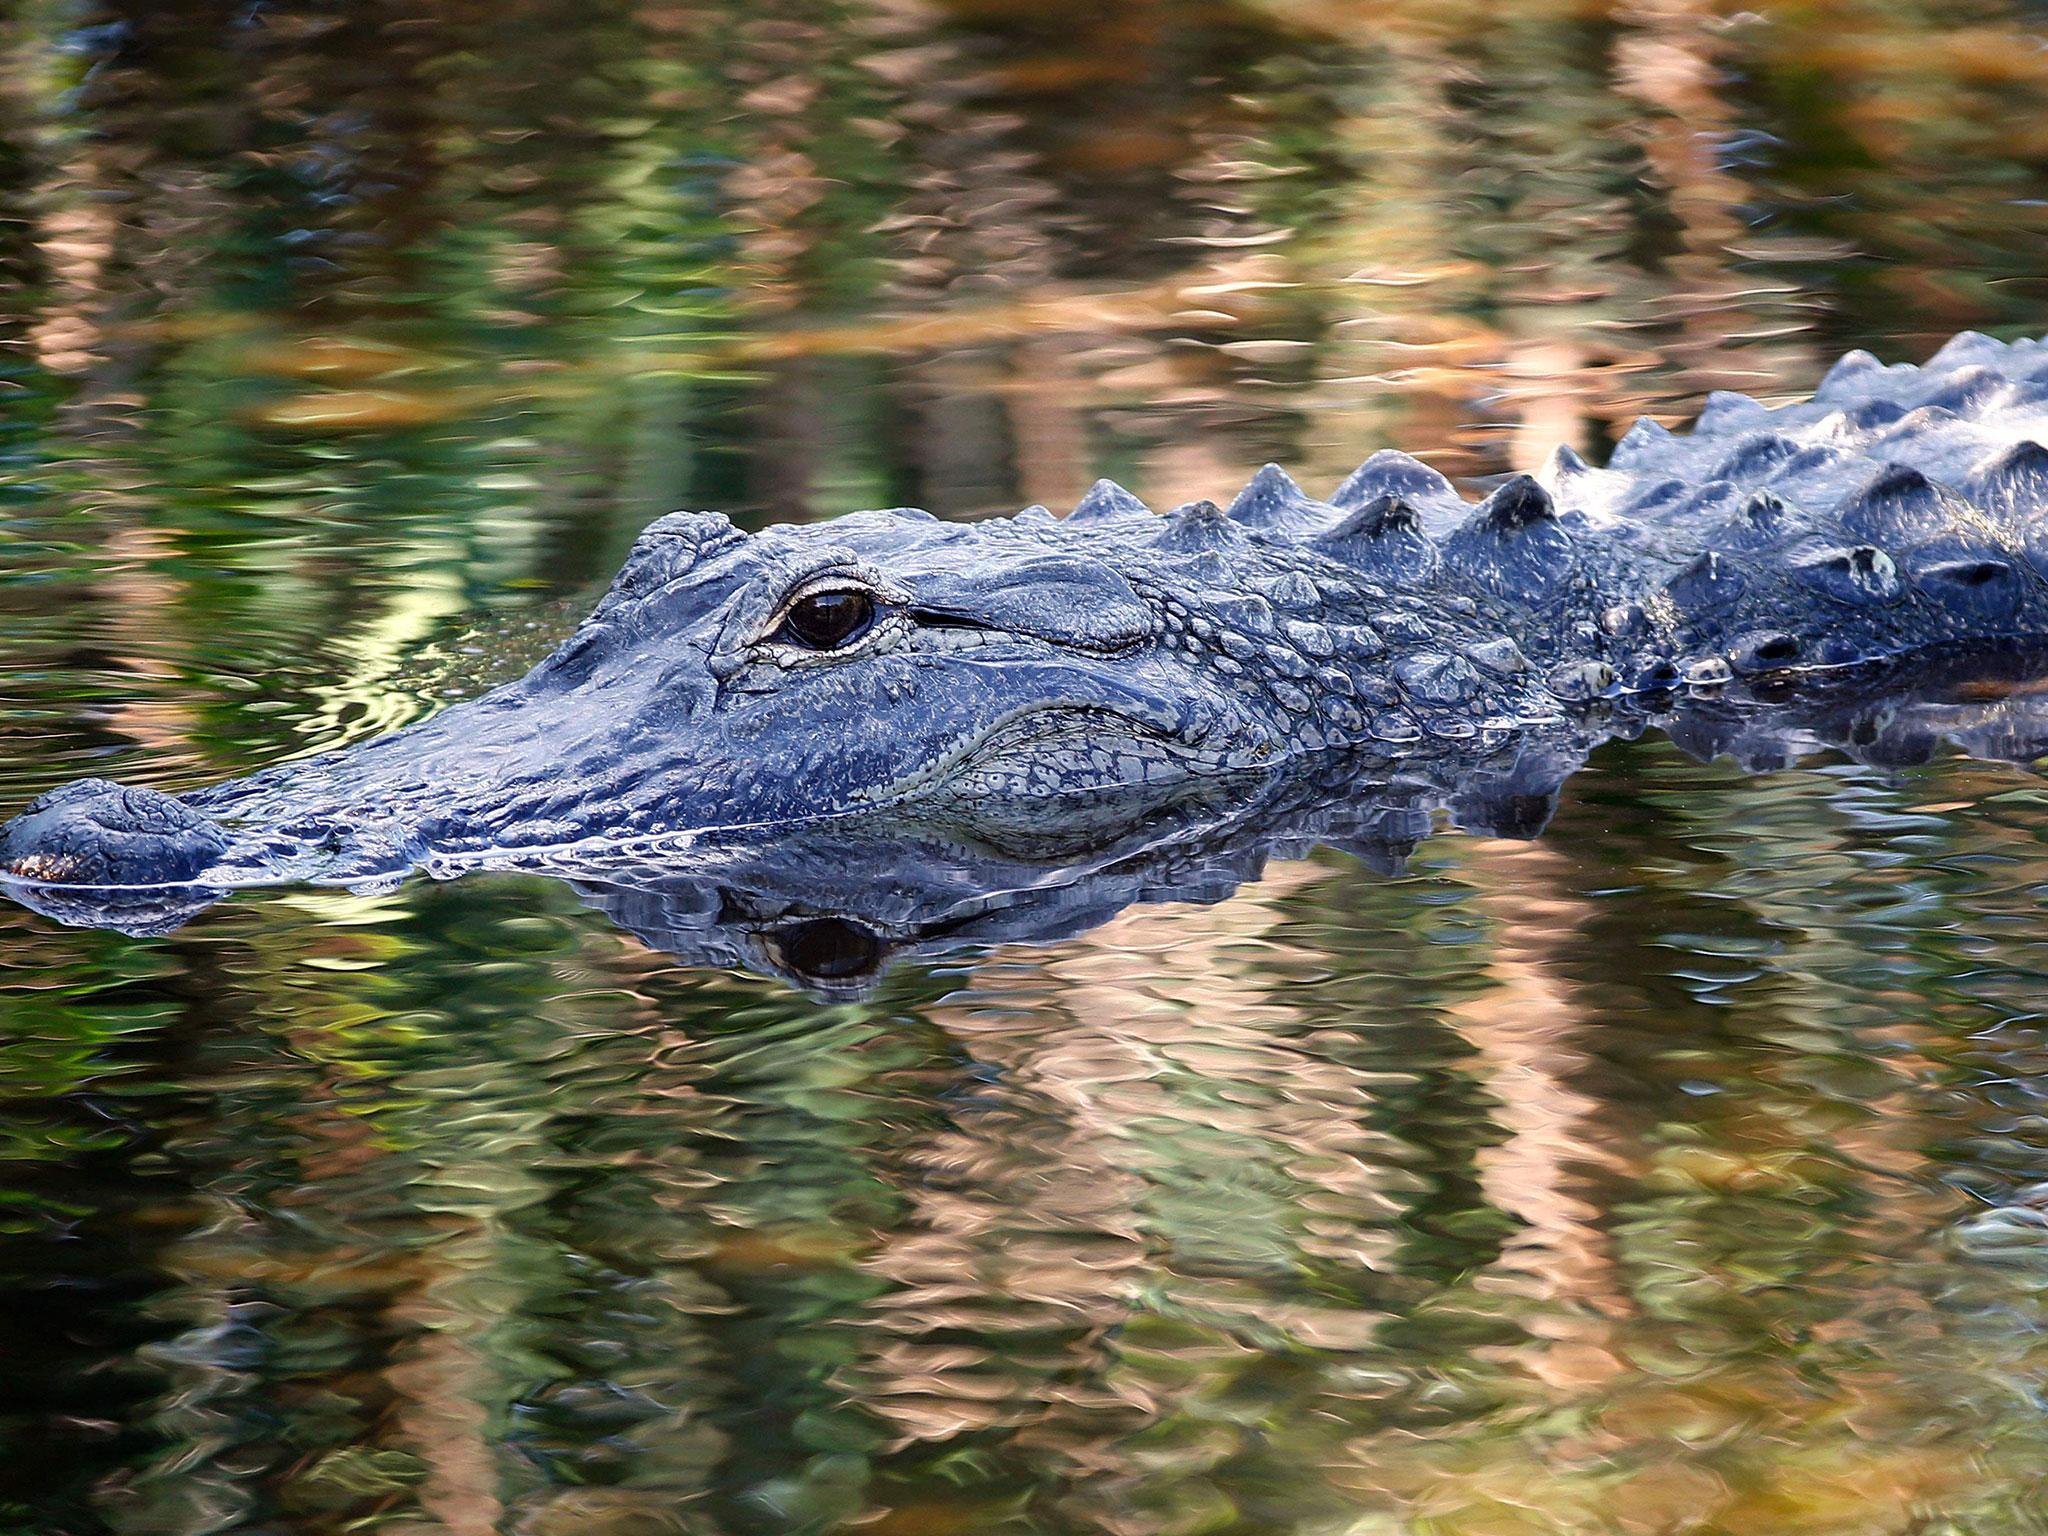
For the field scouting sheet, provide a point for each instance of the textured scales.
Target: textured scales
(1028, 669)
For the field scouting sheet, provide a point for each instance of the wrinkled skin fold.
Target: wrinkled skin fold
(1032, 673)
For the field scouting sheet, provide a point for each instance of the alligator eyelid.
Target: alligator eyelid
(813, 586)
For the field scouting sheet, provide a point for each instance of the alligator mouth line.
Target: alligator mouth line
(1042, 732)
(23, 877)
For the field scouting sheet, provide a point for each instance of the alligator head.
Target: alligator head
(730, 680)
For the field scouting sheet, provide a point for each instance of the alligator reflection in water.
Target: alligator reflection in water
(830, 904)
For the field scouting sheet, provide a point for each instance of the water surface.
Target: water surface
(1678, 1171)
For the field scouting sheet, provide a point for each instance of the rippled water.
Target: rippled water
(1679, 1171)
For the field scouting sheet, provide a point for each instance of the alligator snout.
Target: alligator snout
(93, 832)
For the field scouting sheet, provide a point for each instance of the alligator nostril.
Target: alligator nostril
(1765, 653)
(96, 833)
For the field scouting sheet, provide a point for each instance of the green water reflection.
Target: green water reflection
(1676, 1173)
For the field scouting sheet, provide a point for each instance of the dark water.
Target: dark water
(1679, 1172)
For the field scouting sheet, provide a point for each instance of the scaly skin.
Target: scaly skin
(1033, 671)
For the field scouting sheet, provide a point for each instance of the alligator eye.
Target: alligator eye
(828, 949)
(824, 621)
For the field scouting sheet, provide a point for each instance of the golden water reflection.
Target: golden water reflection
(1680, 1173)
(1346, 1203)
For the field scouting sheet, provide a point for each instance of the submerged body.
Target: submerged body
(1031, 670)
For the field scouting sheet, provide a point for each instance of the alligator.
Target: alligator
(1031, 671)
(831, 904)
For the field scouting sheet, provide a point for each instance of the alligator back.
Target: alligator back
(1900, 510)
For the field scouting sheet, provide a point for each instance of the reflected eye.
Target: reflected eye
(825, 621)
(828, 949)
